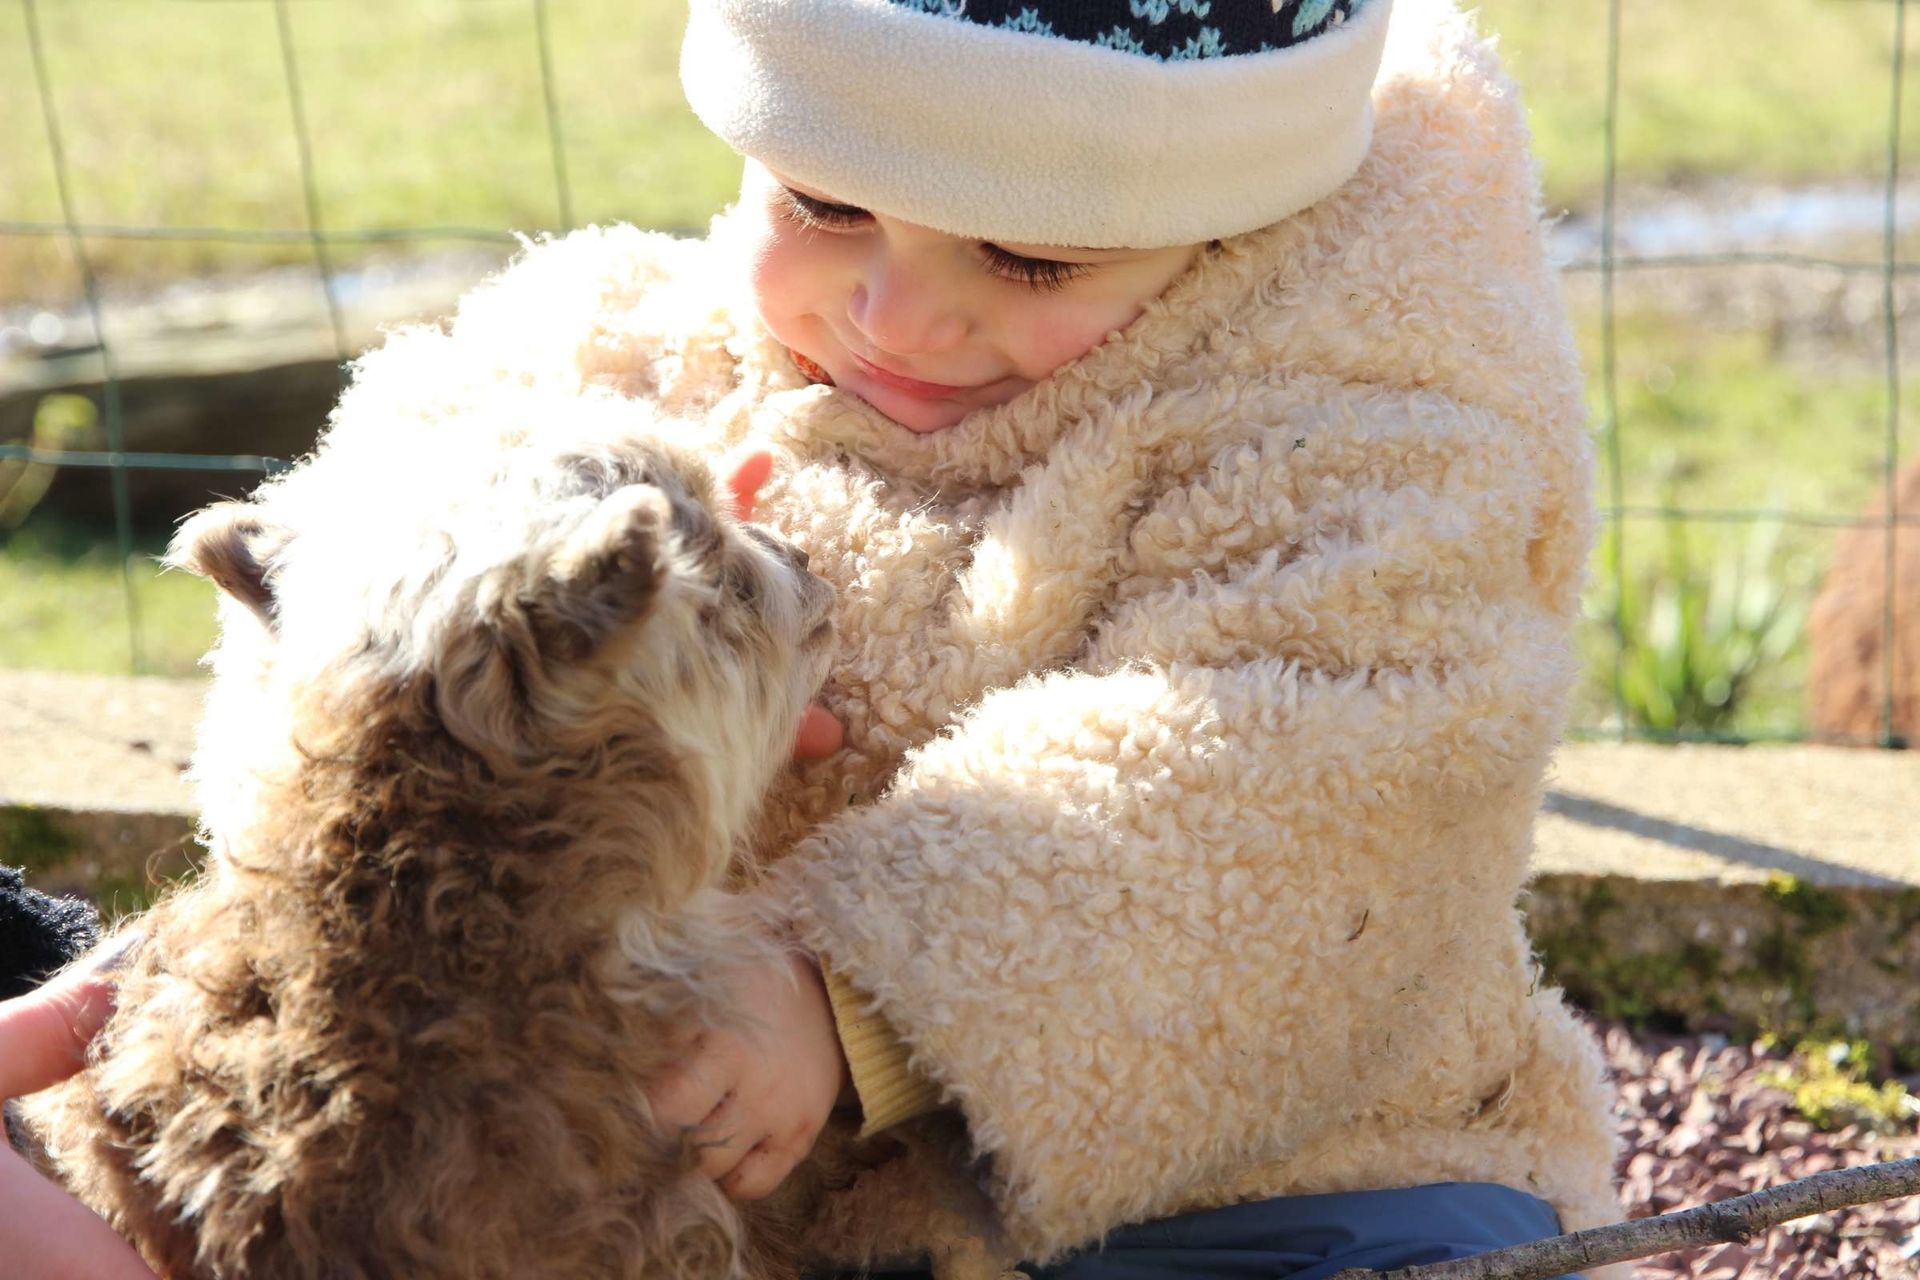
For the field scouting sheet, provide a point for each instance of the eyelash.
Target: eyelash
(1042, 274)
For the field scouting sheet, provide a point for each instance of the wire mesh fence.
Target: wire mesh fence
(1631, 527)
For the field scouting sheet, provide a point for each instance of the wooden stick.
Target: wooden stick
(1732, 1221)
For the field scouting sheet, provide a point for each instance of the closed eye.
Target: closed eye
(818, 213)
(1044, 275)
(1041, 273)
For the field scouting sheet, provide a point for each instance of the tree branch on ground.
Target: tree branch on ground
(1732, 1221)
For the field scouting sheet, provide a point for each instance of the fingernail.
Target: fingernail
(117, 952)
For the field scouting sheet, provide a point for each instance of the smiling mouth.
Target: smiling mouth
(911, 386)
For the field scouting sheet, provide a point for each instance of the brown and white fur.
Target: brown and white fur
(481, 738)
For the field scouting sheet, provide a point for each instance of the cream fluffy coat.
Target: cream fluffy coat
(1198, 700)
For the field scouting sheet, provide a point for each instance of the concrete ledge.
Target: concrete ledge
(1773, 888)
(92, 800)
(1830, 815)
(1726, 888)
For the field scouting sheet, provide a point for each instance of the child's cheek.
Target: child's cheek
(1063, 330)
(785, 280)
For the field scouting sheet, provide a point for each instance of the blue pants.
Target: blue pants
(1303, 1237)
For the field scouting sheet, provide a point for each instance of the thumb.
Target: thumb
(44, 1034)
(819, 735)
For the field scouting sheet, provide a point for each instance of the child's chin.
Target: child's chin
(913, 413)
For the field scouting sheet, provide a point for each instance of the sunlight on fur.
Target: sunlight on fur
(491, 708)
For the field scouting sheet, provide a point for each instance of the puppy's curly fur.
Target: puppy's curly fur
(478, 748)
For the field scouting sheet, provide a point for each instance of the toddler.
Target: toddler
(1177, 395)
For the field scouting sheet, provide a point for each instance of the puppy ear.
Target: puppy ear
(234, 546)
(604, 575)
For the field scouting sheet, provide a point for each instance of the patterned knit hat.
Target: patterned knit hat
(1090, 123)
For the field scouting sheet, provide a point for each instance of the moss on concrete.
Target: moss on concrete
(1819, 910)
(125, 894)
(31, 838)
(1636, 987)
(1902, 910)
(1782, 956)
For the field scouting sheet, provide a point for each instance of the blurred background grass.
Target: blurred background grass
(423, 114)
(429, 114)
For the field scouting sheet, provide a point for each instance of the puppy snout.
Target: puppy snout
(816, 595)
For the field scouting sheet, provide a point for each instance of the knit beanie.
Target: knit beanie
(1086, 123)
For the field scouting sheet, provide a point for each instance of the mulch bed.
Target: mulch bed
(1698, 1124)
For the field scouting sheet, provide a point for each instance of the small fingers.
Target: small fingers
(758, 1173)
(718, 1138)
(820, 734)
(694, 1101)
(688, 1093)
(44, 1034)
(744, 480)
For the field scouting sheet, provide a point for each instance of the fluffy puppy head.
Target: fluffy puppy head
(545, 579)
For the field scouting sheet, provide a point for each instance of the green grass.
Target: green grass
(1775, 90)
(423, 113)
(1720, 416)
(430, 113)
(1746, 425)
(67, 604)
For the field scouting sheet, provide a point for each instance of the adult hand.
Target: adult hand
(45, 1234)
(761, 1094)
(819, 735)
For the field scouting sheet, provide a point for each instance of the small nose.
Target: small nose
(904, 310)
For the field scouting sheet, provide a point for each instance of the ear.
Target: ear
(234, 546)
(604, 575)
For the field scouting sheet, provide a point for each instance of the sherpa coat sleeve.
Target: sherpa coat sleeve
(1222, 884)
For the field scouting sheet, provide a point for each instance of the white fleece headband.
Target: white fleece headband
(1032, 134)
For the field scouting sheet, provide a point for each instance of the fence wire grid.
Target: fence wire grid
(321, 239)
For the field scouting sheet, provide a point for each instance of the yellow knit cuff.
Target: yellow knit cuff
(889, 1090)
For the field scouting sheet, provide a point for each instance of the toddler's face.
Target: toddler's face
(925, 326)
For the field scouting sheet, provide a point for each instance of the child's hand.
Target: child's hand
(43, 1040)
(819, 735)
(762, 1094)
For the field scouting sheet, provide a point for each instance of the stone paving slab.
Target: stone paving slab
(91, 795)
(1832, 816)
(74, 741)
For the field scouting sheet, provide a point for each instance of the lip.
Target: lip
(907, 386)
